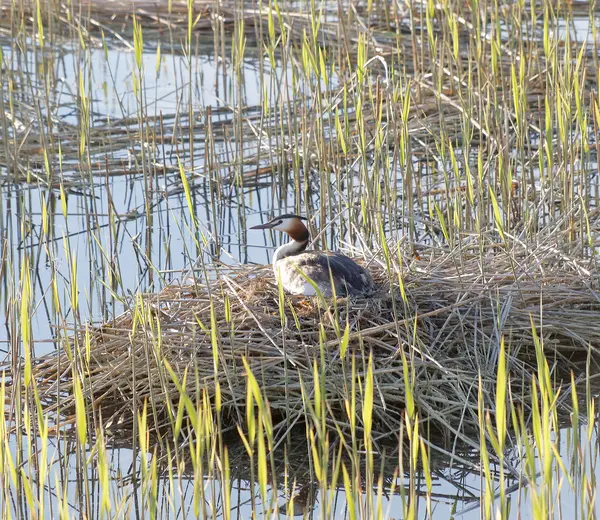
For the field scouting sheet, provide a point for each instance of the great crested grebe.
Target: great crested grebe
(327, 270)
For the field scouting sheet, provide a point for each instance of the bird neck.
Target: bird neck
(291, 248)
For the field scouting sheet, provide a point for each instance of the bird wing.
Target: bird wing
(352, 277)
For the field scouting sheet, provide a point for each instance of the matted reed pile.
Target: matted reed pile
(448, 327)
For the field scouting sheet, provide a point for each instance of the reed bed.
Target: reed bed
(441, 323)
(451, 146)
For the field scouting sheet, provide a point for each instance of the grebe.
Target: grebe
(325, 269)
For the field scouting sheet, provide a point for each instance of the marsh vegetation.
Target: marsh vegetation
(151, 366)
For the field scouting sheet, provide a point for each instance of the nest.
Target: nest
(444, 317)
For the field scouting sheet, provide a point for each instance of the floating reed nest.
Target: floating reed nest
(456, 310)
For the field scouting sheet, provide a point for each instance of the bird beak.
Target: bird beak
(262, 226)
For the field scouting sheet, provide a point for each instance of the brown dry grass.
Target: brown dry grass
(458, 308)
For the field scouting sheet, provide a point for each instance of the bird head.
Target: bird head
(293, 225)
